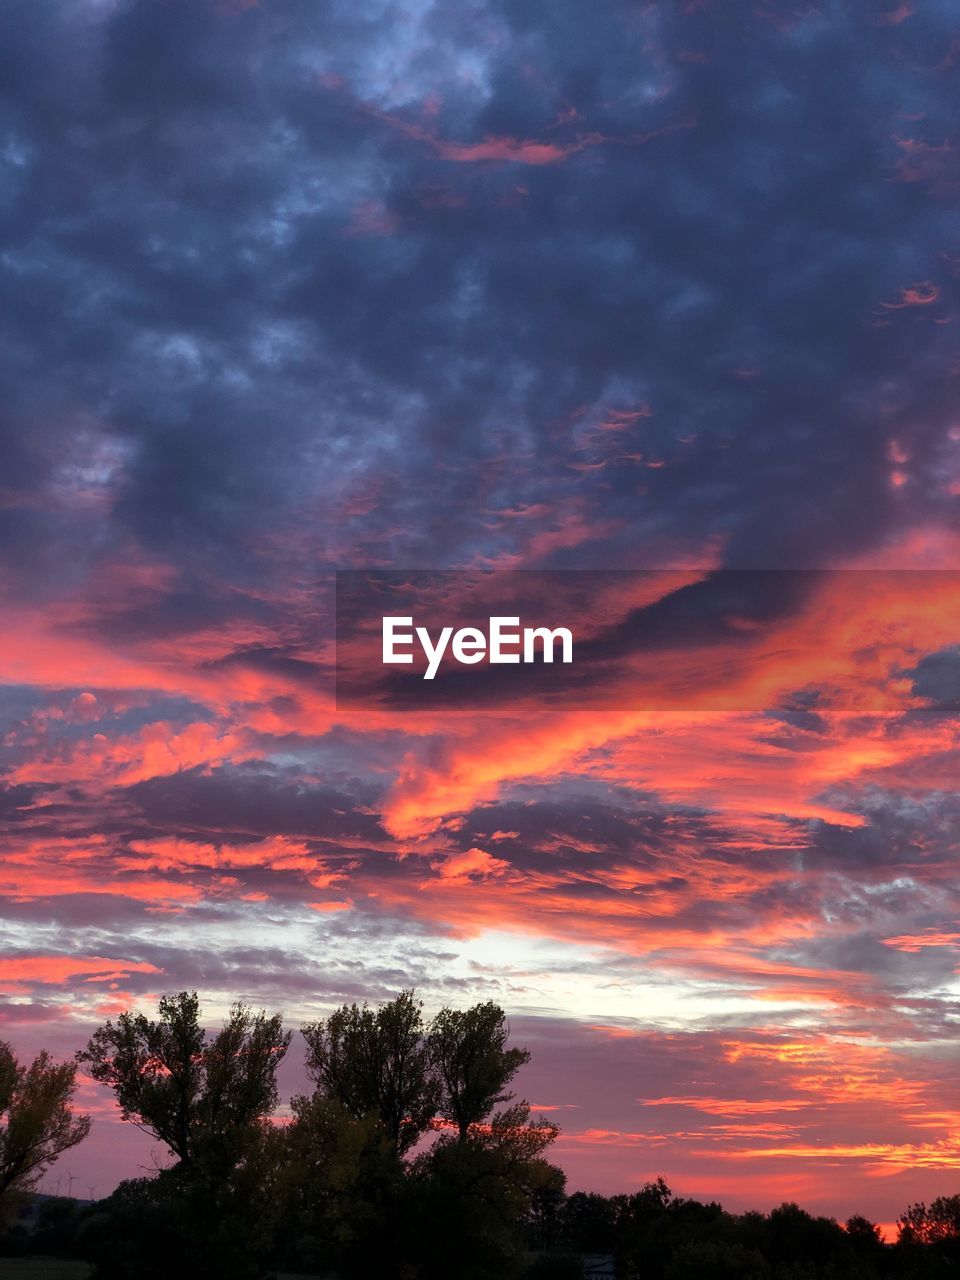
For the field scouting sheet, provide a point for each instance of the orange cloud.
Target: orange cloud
(914, 943)
(22, 971)
(471, 866)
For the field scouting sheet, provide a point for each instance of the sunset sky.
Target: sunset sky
(292, 287)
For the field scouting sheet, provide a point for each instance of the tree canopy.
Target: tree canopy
(192, 1091)
(411, 1158)
(37, 1118)
(376, 1062)
(468, 1051)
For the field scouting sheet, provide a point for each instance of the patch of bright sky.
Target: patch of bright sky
(543, 976)
(526, 975)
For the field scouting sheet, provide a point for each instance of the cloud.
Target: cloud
(675, 288)
(23, 972)
(471, 866)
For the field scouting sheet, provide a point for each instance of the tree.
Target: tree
(469, 1054)
(474, 1199)
(939, 1224)
(343, 1188)
(197, 1095)
(376, 1062)
(195, 1222)
(863, 1231)
(588, 1222)
(39, 1121)
(214, 1214)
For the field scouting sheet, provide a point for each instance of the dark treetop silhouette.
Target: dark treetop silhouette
(410, 1160)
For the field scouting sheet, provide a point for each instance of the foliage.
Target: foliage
(197, 1095)
(471, 1197)
(930, 1238)
(468, 1051)
(194, 1226)
(376, 1062)
(938, 1224)
(38, 1119)
(208, 1098)
(381, 1081)
(343, 1188)
(410, 1159)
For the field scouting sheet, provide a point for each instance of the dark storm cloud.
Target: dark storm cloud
(255, 800)
(254, 281)
(937, 677)
(565, 824)
(902, 830)
(72, 912)
(799, 712)
(16, 802)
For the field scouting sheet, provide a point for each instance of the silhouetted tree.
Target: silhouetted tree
(341, 1190)
(863, 1230)
(934, 1225)
(344, 1189)
(588, 1222)
(459, 1209)
(866, 1244)
(37, 1119)
(376, 1062)
(195, 1093)
(796, 1235)
(929, 1239)
(542, 1229)
(207, 1097)
(56, 1225)
(200, 1220)
(473, 1065)
(134, 1231)
(474, 1197)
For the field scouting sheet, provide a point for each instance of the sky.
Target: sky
(669, 288)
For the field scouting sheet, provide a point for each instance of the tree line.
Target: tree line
(409, 1159)
(409, 1154)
